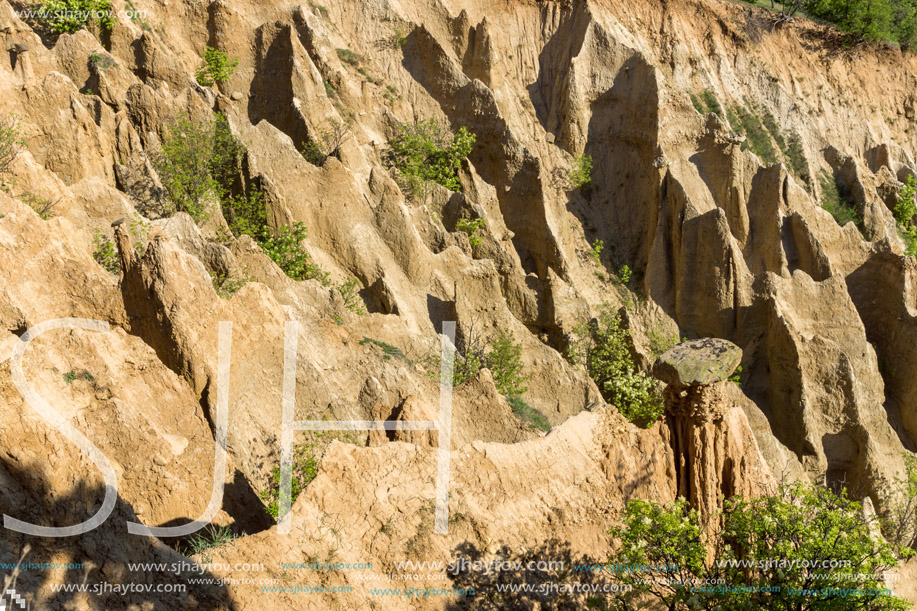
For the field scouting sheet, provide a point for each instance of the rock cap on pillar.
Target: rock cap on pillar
(698, 362)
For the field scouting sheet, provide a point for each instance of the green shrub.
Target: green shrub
(305, 468)
(73, 15)
(905, 209)
(226, 285)
(842, 209)
(184, 166)
(581, 175)
(215, 67)
(736, 378)
(597, 247)
(767, 550)
(105, 253)
(350, 291)
(660, 342)
(505, 364)
(286, 250)
(425, 153)
(624, 274)
(745, 122)
(11, 143)
(529, 414)
(601, 346)
(471, 229)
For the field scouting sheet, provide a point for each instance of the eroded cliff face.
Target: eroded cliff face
(723, 242)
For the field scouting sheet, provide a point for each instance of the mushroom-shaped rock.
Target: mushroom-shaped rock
(715, 450)
(698, 362)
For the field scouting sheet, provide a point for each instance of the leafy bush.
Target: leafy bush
(105, 253)
(597, 247)
(624, 274)
(74, 15)
(11, 143)
(798, 523)
(425, 153)
(184, 165)
(505, 363)
(601, 346)
(529, 414)
(581, 175)
(471, 229)
(905, 212)
(660, 342)
(226, 285)
(215, 67)
(286, 250)
(350, 291)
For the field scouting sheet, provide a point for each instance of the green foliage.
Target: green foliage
(660, 341)
(305, 468)
(400, 39)
(706, 103)
(74, 15)
(215, 67)
(581, 174)
(226, 285)
(43, 207)
(425, 153)
(286, 250)
(11, 143)
(388, 350)
(602, 347)
(326, 142)
(899, 523)
(597, 247)
(73, 375)
(778, 538)
(471, 229)
(100, 61)
(905, 213)
(105, 253)
(841, 208)
(745, 122)
(184, 166)
(529, 414)
(210, 538)
(350, 291)
(350, 57)
(736, 377)
(624, 274)
(505, 364)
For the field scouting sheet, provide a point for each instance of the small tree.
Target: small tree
(581, 175)
(505, 363)
(215, 67)
(426, 152)
(184, 166)
(327, 141)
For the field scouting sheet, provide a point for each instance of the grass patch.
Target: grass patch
(529, 414)
(837, 204)
(351, 58)
(205, 541)
(73, 375)
(388, 350)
